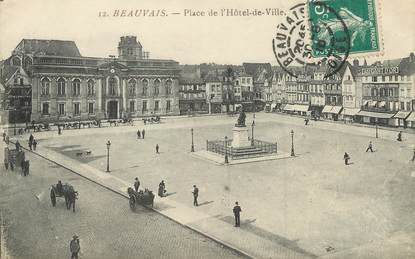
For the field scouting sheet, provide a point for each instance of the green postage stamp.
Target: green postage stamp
(354, 21)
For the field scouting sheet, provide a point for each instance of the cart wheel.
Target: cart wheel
(53, 197)
(132, 202)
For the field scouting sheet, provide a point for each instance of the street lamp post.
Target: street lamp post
(376, 128)
(226, 150)
(252, 133)
(292, 143)
(192, 149)
(108, 156)
(14, 118)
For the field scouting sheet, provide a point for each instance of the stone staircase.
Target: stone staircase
(247, 152)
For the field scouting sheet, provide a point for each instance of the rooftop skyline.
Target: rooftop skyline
(188, 40)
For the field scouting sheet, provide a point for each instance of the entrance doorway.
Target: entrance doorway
(112, 110)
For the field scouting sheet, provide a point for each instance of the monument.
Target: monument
(240, 132)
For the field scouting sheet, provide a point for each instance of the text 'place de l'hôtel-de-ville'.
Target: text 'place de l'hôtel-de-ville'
(49, 81)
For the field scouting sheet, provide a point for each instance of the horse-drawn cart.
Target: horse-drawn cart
(145, 197)
(67, 191)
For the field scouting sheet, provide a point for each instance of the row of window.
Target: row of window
(385, 78)
(113, 87)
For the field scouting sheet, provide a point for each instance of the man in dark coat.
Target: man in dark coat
(34, 144)
(74, 247)
(143, 133)
(31, 138)
(157, 148)
(136, 184)
(138, 134)
(195, 195)
(17, 145)
(236, 212)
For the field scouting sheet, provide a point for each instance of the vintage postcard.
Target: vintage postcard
(207, 129)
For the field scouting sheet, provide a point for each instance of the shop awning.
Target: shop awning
(301, 108)
(382, 104)
(401, 114)
(288, 107)
(375, 114)
(350, 111)
(365, 103)
(411, 117)
(273, 105)
(373, 103)
(336, 109)
(327, 109)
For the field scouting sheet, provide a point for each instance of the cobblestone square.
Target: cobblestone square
(309, 204)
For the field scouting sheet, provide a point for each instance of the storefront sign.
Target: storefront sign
(379, 71)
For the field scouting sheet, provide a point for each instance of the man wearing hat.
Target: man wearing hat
(236, 212)
(136, 184)
(195, 195)
(75, 247)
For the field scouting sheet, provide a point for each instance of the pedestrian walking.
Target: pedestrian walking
(59, 130)
(157, 148)
(74, 247)
(138, 134)
(346, 158)
(143, 133)
(34, 144)
(6, 158)
(17, 145)
(7, 139)
(136, 184)
(4, 135)
(399, 136)
(236, 212)
(413, 156)
(369, 147)
(195, 195)
(31, 138)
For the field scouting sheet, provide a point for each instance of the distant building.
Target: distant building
(213, 93)
(192, 96)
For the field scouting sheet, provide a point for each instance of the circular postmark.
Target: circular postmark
(321, 40)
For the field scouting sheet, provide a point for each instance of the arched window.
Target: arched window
(16, 61)
(131, 87)
(145, 87)
(156, 87)
(91, 87)
(168, 86)
(76, 87)
(45, 86)
(61, 86)
(112, 86)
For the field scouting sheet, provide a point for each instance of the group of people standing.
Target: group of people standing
(346, 156)
(141, 134)
(162, 193)
(32, 142)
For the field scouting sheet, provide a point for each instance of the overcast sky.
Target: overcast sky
(189, 40)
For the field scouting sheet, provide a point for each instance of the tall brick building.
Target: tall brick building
(68, 86)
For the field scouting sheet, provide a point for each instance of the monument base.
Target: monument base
(240, 137)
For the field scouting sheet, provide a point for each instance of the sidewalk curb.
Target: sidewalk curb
(221, 242)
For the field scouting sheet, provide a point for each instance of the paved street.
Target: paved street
(312, 204)
(103, 220)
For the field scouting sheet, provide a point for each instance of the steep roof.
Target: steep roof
(7, 72)
(49, 47)
(255, 69)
